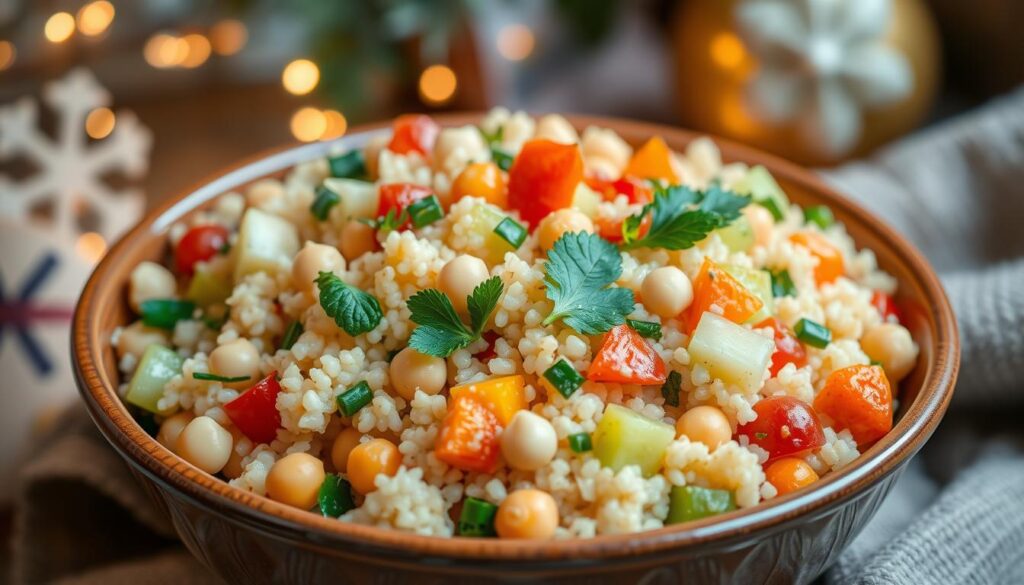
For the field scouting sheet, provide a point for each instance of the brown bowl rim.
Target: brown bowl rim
(244, 508)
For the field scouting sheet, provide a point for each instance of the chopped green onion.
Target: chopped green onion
(477, 518)
(671, 388)
(216, 378)
(813, 333)
(564, 377)
(494, 138)
(425, 211)
(689, 502)
(772, 207)
(165, 313)
(350, 165)
(580, 442)
(355, 398)
(324, 201)
(291, 334)
(782, 284)
(335, 496)
(511, 231)
(820, 215)
(648, 329)
(501, 158)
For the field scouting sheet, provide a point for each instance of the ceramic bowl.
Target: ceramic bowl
(248, 538)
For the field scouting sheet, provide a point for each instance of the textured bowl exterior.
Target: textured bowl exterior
(248, 538)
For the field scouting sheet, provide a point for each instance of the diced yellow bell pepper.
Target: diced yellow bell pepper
(503, 396)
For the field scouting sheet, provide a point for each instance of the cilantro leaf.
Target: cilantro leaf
(675, 224)
(353, 310)
(441, 332)
(725, 204)
(579, 269)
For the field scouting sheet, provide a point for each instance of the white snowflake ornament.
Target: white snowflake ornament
(71, 169)
(821, 63)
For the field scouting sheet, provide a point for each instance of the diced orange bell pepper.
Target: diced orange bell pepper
(481, 179)
(414, 132)
(830, 259)
(543, 178)
(469, 436)
(503, 396)
(790, 474)
(716, 287)
(858, 398)
(625, 357)
(652, 161)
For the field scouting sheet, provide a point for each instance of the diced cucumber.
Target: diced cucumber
(686, 503)
(266, 243)
(731, 353)
(759, 283)
(586, 200)
(157, 366)
(359, 199)
(738, 235)
(761, 186)
(208, 289)
(485, 217)
(625, 437)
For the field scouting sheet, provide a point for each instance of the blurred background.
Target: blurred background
(108, 106)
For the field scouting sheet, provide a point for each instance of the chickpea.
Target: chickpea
(527, 513)
(150, 280)
(529, 442)
(357, 239)
(295, 480)
(235, 359)
(313, 259)
(171, 429)
(411, 370)
(205, 444)
(560, 222)
(233, 468)
(604, 144)
(481, 180)
(892, 345)
(262, 193)
(761, 223)
(666, 292)
(346, 440)
(370, 459)
(459, 277)
(457, 146)
(705, 424)
(790, 474)
(556, 129)
(135, 338)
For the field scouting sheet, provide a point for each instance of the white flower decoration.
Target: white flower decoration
(821, 63)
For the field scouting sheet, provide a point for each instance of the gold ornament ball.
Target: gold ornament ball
(712, 67)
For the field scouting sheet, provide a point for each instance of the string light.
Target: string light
(95, 17)
(727, 50)
(228, 37)
(308, 124)
(91, 247)
(7, 54)
(59, 27)
(100, 123)
(515, 42)
(437, 84)
(336, 125)
(300, 76)
(197, 50)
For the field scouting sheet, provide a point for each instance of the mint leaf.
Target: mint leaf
(579, 269)
(353, 310)
(675, 223)
(441, 332)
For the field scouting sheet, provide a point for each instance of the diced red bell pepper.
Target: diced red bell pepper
(635, 190)
(784, 426)
(255, 412)
(199, 244)
(626, 357)
(469, 435)
(858, 398)
(886, 306)
(544, 178)
(414, 133)
(488, 352)
(398, 197)
(788, 349)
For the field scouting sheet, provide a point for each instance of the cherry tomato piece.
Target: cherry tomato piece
(626, 358)
(544, 178)
(255, 412)
(858, 398)
(199, 244)
(788, 349)
(886, 306)
(414, 133)
(635, 190)
(784, 426)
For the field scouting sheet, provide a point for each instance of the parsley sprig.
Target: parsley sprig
(353, 310)
(681, 217)
(441, 332)
(579, 269)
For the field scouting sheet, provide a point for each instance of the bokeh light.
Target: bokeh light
(437, 84)
(95, 17)
(300, 76)
(7, 54)
(197, 50)
(515, 42)
(100, 123)
(308, 124)
(337, 125)
(228, 37)
(91, 247)
(59, 27)
(727, 50)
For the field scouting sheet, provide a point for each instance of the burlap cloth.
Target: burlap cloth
(957, 515)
